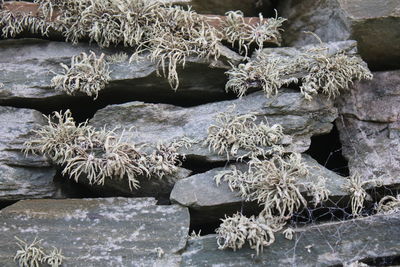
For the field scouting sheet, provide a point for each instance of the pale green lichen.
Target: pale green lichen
(314, 68)
(356, 187)
(235, 231)
(34, 255)
(99, 154)
(88, 74)
(165, 33)
(232, 132)
(389, 205)
(236, 29)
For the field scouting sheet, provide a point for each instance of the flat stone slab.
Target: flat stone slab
(98, 232)
(22, 176)
(373, 24)
(28, 65)
(327, 244)
(369, 127)
(210, 202)
(154, 123)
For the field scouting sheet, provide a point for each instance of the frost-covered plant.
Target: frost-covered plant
(389, 205)
(232, 132)
(98, 154)
(237, 30)
(355, 186)
(314, 68)
(235, 231)
(29, 255)
(168, 34)
(87, 74)
(273, 183)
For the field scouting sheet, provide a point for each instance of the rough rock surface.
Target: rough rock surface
(160, 188)
(153, 123)
(98, 232)
(22, 176)
(329, 244)
(365, 21)
(209, 202)
(28, 65)
(369, 127)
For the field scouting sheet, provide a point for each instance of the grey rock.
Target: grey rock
(373, 24)
(98, 232)
(327, 244)
(22, 176)
(28, 65)
(153, 123)
(210, 202)
(369, 127)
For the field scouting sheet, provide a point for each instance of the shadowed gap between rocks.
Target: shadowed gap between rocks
(380, 261)
(6, 203)
(327, 150)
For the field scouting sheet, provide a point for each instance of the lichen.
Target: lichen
(99, 154)
(314, 69)
(232, 132)
(166, 33)
(88, 74)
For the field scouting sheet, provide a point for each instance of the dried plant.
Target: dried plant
(54, 258)
(288, 233)
(314, 68)
(237, 30)
(355, 186)
(168, 34)
(317, 189)
(32, 255)
(117, 57)
(274, 183)
(29, 255)
(389, 205)
(99, 154)
(87, 74)
(236, 230)
(232, 132)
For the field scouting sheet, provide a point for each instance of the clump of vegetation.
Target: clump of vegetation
(272, 182)
(235, 231)
(273, 179)
(389, 205)
(87, 74)
(356, 187)
(33, 255)
(166, 33)
(99, 154)
(233, 132)
(117, 57)
(314, 68)
(237, 30)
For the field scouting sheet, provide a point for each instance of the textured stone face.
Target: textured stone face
(153, 123)
(373, 24)
(22, 176)
(98, 232)
(369, 127)
(28, 65)
(320, 245)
